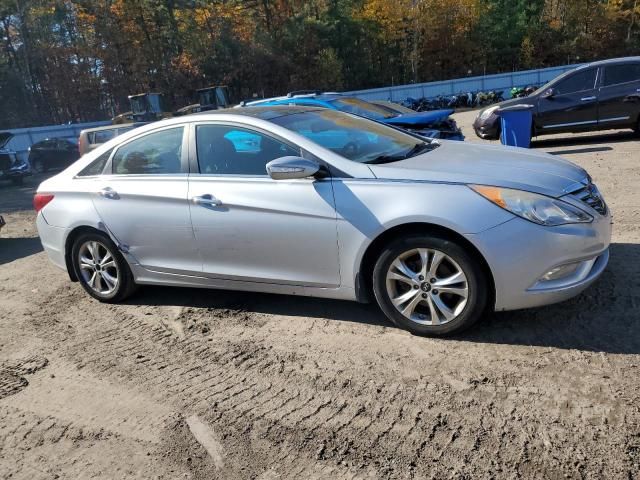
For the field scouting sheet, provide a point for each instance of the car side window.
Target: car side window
(578, 82)
(155, 153)
(228, 150)
(103, 136)
(623, 73)
(97, 166)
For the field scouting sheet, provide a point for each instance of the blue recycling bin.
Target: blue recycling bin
(516, 125)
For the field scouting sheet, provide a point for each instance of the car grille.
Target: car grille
(591, 196)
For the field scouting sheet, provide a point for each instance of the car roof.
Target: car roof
(267, 112)
(113, 127)
(609, 61)
(293, 97)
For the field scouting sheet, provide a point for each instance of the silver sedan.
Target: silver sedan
(306, 201)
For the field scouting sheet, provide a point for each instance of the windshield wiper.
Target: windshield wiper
(418, 148)
(415, 150)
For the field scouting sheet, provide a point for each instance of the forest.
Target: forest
(77, 60)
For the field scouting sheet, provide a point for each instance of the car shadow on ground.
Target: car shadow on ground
(604, 318)
(613, 136)
(16, 248)
(17, 197)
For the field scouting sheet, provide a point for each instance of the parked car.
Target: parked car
(91, 138)
(53, 153)
(596, 96)
(436, 233)
(393, 107)
(435, 123)
(11, 167)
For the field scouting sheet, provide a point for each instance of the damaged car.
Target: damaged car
(432, 124)
(11, 167)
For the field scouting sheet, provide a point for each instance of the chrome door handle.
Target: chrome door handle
(586, 99)
(206, 200)
(109, 193)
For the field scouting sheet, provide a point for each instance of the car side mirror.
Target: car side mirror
(548, 93)
(288, 168)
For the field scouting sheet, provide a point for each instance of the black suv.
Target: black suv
(596, 96)
(53, 153)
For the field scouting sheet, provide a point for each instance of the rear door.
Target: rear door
(573, 106)
(143, 201)
(619, 98)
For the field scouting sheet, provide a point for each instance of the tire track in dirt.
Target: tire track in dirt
(260, 396)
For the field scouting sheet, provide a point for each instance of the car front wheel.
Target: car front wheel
(429, 285)
(101, 269)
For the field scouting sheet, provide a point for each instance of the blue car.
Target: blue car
(434, 124)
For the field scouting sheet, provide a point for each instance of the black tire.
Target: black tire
(17, 180)
(476, 284)
(38, 166)
(125, 284)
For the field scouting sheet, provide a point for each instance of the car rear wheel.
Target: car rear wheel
(38, 166)
(429, 285)
(101, 269)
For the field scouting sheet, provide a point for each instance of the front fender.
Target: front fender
(368, 208)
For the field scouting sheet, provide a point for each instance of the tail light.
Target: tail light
(41, 200)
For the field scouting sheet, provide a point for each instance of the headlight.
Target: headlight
(487, 113)
(536, 208)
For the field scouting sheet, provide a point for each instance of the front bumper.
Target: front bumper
(519, 254)
(488, 129)
(16, 172)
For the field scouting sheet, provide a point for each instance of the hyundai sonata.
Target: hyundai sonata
(308, 201)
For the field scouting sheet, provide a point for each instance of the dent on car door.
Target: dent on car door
(619, 102)
(249, 227)
(143, 201)
(573, 105)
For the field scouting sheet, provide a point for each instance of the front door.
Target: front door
(619, 101)
(573, 105)
(143, 202)
(249, 227)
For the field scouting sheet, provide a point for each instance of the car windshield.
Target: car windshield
(355, 138)
(396, 108)
(362, 108)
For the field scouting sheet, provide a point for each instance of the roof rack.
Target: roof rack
(304, 92)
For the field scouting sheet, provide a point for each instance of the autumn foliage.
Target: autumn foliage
(67, 60)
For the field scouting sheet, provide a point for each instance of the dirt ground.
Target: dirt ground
(200, 384)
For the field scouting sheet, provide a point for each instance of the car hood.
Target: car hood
(530, 100)
(509, 167)
(419, 118)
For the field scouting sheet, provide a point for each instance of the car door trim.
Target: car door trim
(615, 119)
(572, 124)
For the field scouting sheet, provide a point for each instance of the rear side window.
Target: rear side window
(97, 166)
(624, 73)
(156, 153)
(103, 136)
(578, 82)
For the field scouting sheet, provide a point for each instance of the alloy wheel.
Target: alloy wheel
(427, 286)
(98, 267)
